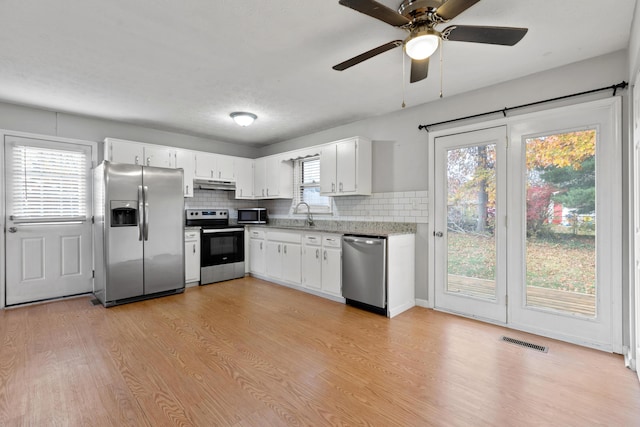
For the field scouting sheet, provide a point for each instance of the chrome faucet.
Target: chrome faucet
(310, 222)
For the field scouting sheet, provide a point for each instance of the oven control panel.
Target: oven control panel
(207, 213)
(207, 217)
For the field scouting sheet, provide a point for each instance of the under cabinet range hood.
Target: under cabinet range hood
(212, 184)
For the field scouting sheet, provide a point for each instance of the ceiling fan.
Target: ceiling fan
(419, 18)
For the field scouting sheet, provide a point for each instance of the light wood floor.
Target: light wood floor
(250, 353)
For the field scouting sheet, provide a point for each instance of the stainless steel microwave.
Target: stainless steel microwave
(252, 216)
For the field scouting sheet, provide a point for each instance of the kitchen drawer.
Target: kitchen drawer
(256, 233)
(312, 239)
(191, 235)
(332, 240)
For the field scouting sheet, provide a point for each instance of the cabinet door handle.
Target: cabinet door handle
(263, 192)
(187, 188)
(211, 173)
(285, 249)
(324, 255)
(278, 248)
(137, 159)
(219, 174)
(267, 191)
(194, 248)
(341, 187)
(333, 187)
(317, 253)
(260, 245)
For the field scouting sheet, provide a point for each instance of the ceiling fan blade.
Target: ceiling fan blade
(369, 54)
(452, 8)
(506, 36)
(419, 69)
(376, 10)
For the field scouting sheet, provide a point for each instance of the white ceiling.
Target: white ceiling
(185, 65)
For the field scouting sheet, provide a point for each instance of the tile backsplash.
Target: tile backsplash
(219, 199)
(399, 206)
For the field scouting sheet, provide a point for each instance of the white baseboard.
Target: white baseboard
(394, 311)
(423, 303)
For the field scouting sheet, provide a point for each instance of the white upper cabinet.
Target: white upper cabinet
(345, 168)
(138, 153)
(205, 165)
(214, 166)
(159, 156)
(244, 178)
(186, 159)
(273, 178)
(260, 178)
(225, 167)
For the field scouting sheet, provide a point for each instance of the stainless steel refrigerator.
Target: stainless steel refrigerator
(138, 232)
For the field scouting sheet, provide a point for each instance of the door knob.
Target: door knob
(438, 234)
(13, 229)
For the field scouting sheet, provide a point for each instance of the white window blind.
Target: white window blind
(308, 185)
(49, 184)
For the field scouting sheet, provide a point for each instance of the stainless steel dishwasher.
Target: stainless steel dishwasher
(364, 272)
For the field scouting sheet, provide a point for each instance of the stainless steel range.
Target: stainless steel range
(221, 245)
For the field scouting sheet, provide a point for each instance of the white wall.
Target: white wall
(400, 149)
(634, 304)
(634, 43)
(33, 120)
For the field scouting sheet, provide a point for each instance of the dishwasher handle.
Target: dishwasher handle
(363, 240)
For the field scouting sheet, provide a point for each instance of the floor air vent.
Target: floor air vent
(525, 344)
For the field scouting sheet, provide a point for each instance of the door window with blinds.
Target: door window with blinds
(307, 179)
(49, 183)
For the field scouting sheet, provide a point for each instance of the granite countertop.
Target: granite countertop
(344, 227)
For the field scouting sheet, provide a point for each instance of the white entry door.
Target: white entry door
(48, 224)
(470, 234)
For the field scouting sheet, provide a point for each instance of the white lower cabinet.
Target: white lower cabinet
(284, 256)
(332, 264)
(322, 261)
(312, 261)
(191, 256)
(257, 251)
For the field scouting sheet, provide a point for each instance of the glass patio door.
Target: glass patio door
(470, 233)
(529, 234)
(565, 214)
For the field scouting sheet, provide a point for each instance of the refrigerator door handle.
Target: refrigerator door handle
(146, 213)
(140, 210)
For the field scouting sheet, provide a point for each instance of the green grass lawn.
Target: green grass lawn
(560, 261)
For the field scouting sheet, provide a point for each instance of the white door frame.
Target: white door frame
(3, 134)
(614, 103)
(631, 358)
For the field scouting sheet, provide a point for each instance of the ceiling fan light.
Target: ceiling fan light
(243, 118)
(422, 45)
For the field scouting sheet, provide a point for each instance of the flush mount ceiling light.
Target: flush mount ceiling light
(421, 44)
(243, 118)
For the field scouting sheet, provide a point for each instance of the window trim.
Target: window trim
(299, 186)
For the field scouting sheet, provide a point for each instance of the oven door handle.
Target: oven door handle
(221, 230)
